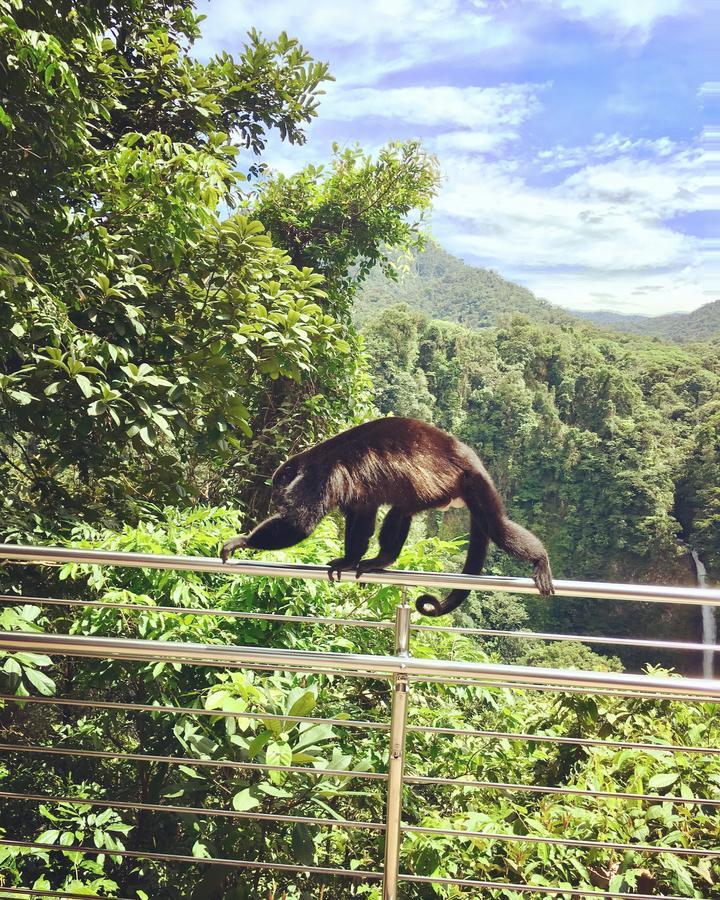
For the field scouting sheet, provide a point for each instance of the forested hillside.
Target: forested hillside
(444, 287)
(607, 446)
(171, 327)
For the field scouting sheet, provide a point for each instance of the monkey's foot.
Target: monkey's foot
(336, 566)
(542, 576)
(229, 547)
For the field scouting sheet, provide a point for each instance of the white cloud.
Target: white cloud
(603, 147)
(502, 108)
(622, 18)
(605, 229)
(362, 42)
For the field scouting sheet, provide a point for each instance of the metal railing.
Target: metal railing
(400, 668)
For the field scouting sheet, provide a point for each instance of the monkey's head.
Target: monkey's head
(285, 474)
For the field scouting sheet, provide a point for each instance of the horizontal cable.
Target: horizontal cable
(189, 761)
(581, 638)
(199, 611)
(196, 860)
(559, 739)
(561, 842)
(374, 665)
(360, 623)
(588, 589)
(194, 811)
(544, 789)
(534, 888)
(39, 892)
(191, 711)
(359, 723)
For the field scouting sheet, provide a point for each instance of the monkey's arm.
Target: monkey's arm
(275, 533)
(359, 528)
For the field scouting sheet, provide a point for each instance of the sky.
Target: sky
(577, 139)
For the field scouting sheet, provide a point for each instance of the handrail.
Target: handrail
(352, 663)
(588, 589)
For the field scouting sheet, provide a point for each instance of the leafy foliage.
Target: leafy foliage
(247, 718)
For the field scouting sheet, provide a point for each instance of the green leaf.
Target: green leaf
(48, 837)
(266, 788)
(278, 754)
(40, 681)
(665, 780)
(301, 705)
(244, 800)
(302, 844)
(85, 385)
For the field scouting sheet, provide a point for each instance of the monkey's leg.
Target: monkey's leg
(393, 534)
(359, 528)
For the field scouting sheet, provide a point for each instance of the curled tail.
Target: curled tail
(474, 562)
(490, 522)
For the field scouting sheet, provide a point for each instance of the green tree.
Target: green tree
(143, 338)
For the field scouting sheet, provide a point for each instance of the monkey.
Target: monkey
(408, 465)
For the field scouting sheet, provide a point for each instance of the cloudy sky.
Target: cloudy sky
(569, 132)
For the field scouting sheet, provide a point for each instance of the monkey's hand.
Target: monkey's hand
(542, 576)
(229, 547)
(374, 564)
(336, 566)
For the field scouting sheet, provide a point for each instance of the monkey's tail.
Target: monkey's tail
(474, 562)
(484, 500)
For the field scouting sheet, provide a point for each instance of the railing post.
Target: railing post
(396, 755)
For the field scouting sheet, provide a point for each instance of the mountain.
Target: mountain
(445, 287)
(699, 325)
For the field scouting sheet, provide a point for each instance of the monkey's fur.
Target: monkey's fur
(410, 466)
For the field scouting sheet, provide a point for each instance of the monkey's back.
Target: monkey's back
(396, 461)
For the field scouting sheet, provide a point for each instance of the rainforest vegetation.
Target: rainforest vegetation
(175, 319)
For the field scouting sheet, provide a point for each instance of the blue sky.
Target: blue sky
(569, 132)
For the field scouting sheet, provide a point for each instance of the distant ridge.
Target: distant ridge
(699, 325)
(444, 287)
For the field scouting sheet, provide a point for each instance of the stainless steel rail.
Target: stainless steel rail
(400, 669)
(562, 842)
(194, 711)
(209, 811)
(280, 618)
(535, 889)
(189, 761)
(361, 874)
(351, 663)
(588, 589)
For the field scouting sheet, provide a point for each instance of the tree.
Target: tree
(344, 220)
(143, 338)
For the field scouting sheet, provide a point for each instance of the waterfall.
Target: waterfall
(708, 619)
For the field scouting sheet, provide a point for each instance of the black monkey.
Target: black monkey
(410, 466)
